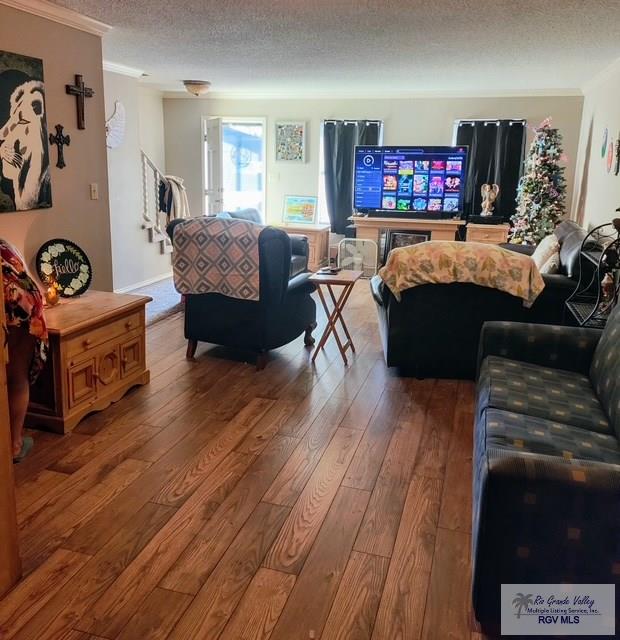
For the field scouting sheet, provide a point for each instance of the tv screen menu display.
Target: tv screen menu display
(410, 181)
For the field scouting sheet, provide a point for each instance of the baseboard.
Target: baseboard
(144, 283)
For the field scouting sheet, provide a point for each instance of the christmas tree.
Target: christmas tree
(542, 189)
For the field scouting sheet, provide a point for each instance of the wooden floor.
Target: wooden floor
(219, 502)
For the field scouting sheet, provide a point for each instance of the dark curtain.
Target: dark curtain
(496, 149)
(339, 140)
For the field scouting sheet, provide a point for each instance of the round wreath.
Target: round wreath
(80, 282)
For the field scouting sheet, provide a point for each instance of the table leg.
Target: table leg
(340, 304)
(332, 318)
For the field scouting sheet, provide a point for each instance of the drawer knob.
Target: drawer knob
(87, 343)
(128, 324)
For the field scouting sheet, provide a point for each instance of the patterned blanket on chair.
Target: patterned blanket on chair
(217, 255)
(444, 262)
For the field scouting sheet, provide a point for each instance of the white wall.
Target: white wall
(597, 192)
(134, 259)
(424, 121)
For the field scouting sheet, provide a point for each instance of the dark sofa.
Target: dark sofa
(546, 460)
(284, 311)
(434, 331)
(559, 286)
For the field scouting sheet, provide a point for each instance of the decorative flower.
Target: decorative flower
(45, 256)
(47, 269)
(68, 291)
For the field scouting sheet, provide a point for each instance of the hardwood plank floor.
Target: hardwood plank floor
(221, 503)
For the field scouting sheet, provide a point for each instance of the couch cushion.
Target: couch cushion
(520, 432)
(542, 392)
(570, 236)
(605, 370)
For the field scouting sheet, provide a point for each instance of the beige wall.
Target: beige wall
(151, 108)
(597, 191)
(73, 216)
(135, 261)
(425, 121)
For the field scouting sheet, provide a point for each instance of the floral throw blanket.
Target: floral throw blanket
(444, 262)
(216, 255)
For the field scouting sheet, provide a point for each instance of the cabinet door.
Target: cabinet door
(132, 356)
(108, 369)
(82, 382)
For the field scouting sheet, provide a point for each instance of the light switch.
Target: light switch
(94, 191)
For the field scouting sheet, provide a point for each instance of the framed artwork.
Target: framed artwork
(397, 239)
(290, 141)
(24, 152)
(67, 264)
(300, 209)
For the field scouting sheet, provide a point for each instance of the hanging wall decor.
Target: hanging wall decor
(60, 140)
(290, 141)
(617, 167)
(69, 265)
(24, 153)
(604, 143)
(80, 91)
(610, 155)
(115, 127)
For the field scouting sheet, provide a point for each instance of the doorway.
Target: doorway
(234, 159)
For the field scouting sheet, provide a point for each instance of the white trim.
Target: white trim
(388, 95)
(144, 283)
(68, 17)
(601, 76)
(122, 69)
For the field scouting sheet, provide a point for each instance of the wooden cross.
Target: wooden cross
(80, 91)
(60, 140)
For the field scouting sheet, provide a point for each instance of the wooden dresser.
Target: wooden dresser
(318, 241)
(97, 353)
(487, 233)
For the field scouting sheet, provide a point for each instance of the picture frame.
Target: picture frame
(395, 239)
(300, 209)
(25, 182)
(290, 141)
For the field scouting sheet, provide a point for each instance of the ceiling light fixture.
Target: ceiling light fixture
(197, 87)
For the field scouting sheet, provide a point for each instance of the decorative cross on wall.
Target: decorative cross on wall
(80, 91)
(60, 140)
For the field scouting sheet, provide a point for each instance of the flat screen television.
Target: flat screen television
(410, 182)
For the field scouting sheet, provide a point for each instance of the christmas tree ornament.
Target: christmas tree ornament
(541, 194)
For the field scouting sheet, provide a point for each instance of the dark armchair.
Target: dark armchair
(284, 311)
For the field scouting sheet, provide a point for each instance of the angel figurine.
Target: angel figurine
(489, 195)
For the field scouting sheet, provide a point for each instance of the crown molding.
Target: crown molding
(602, 76)
(62, 15)
(123, 69)
(387, 95)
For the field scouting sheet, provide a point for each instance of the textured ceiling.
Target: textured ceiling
(362, 47)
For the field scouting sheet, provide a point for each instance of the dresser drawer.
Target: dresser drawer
(491, 234)
(89, 340)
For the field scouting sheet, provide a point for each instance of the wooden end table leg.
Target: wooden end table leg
(342, 301)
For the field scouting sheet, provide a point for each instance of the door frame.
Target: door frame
(241, 119)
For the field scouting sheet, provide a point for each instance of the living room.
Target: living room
(253, 404)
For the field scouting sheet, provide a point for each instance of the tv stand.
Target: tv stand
(368, 228)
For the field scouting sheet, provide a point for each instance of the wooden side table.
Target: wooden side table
(96, 354)
(487, 233)
(318, 242)
(347, 280)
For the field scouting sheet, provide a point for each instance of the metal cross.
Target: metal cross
(80, 91)
(60, 140)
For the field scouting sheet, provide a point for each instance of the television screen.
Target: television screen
(412, 182)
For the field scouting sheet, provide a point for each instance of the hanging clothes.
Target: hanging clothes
(173, 198)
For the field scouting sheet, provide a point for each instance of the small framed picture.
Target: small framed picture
(300, 209)
(290, 141)
(397, 239)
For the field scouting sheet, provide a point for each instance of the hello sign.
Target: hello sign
(65, 261)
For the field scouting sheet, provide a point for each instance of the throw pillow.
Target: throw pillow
(552, 265)
(545, 249)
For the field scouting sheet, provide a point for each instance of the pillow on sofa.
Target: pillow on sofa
(552, 265)
(546, 248)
